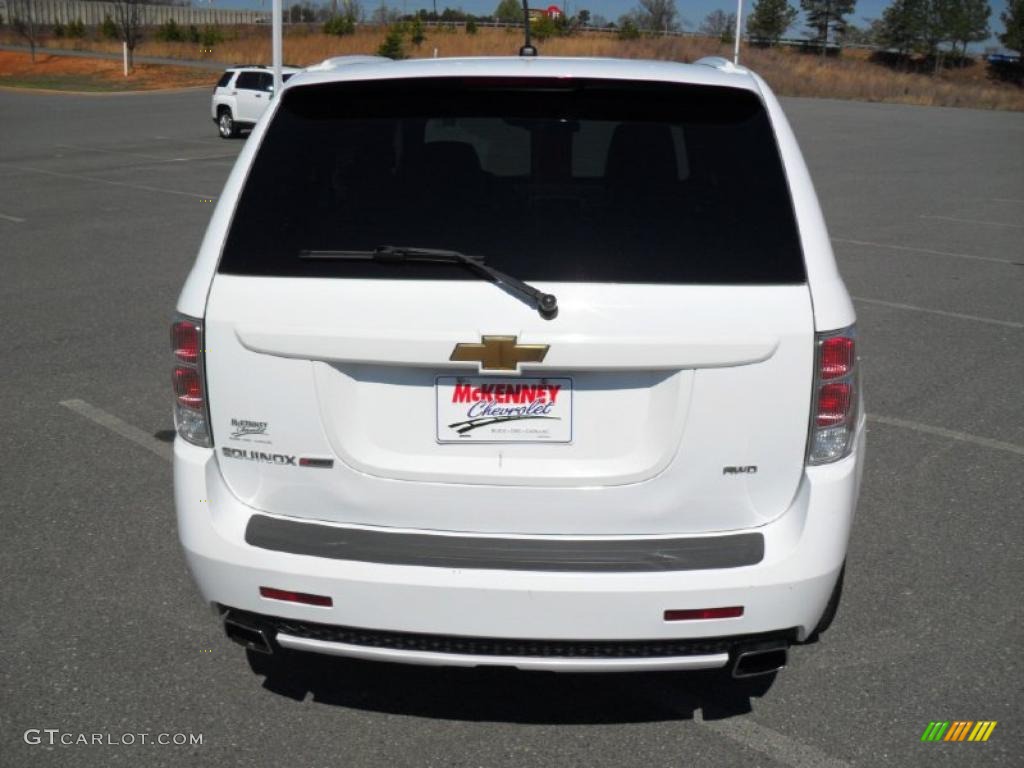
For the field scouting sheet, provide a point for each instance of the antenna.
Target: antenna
(528, 49)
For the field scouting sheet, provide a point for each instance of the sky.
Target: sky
(692, 12)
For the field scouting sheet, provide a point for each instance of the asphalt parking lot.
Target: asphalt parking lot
(103, 202)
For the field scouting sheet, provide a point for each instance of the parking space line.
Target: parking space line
(122, 428)
(973, 221)
(770, 742)
(1006, 200)
(921, 250)
(110, 151)
(15, 219)
(944, 313)
(951, 434)
(203, 142)
(143, 187)
(155, 158)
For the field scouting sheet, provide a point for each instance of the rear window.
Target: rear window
(549, 180)
(225, 79)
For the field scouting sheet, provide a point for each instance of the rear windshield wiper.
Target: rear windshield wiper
(546, 303)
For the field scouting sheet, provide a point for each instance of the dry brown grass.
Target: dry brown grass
(64, 73)
(790, 73)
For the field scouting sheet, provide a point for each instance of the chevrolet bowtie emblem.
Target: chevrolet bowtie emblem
(499, 353)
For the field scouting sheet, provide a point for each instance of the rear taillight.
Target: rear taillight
(187, 388)
(185, 340)
(835, 399)
(191, 411)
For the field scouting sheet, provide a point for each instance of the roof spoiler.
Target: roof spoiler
(337, 62)
(723, 65)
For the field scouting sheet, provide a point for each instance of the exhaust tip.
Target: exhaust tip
(759, 661)
(250, 637)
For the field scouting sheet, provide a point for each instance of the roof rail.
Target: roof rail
(724, 65)
(337, 62)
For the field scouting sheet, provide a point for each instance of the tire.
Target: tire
(831, 609)
(226, 126)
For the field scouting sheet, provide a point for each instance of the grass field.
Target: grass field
(64, 73)
(789, 72)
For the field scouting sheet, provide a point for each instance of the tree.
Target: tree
(128, 18)
(660, 15)
(900, 26)
(1013, 20)
(770, 19)
(382, 14)
(353, 11)
(932, 19)
(25, 20)
(170, 32)
(854, 35)
(108, 28)
(339, 26)
(583, 17)
(509, 12)
(393, 47)
(417, 33)
(719, 24)
(967, 22)
(628, 29)
(824, 16)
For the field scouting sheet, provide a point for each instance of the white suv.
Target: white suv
(242, 95)
(541, 363)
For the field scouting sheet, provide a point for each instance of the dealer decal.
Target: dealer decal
(249, 431)
(485, 409)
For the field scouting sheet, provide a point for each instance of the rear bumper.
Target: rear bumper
(268, 633)
(529, 663)
(786, 591)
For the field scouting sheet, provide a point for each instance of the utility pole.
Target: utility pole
(739, 26)
(277, 44)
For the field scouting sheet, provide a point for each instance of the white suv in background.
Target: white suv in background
(529, 362)
(242, 95)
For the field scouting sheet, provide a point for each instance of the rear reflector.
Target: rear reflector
(296, 597)
(692, 614)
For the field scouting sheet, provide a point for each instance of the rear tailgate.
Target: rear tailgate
(673, 392)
